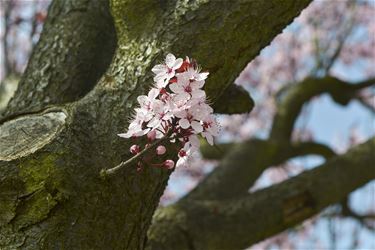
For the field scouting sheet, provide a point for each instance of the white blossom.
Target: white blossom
(164, 72)
(176, 108)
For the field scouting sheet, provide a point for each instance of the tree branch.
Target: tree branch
(309, 148)
(369, 106)
(347, 211)
(291, 104)
(219, 151)
(259, 215)
(74, 50)
(243, 163)
(223, 42)
(112, 171)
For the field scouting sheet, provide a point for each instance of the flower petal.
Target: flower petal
(182, 97)
(184, 123)
(196, 126)
(197, 84)
(160, 68)
(198, 93)
(176, 88)
(170, 60)
(177, 64)
(194, 141)
(142, 100)
(125, 135)
(153, 93)
(209, 138)
(201, 76)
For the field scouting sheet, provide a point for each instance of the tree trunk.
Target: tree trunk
(73, 52)
(53, 143)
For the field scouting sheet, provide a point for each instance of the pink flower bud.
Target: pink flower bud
(169, 164)
(151, 135)
(160, 150)
(135, 149)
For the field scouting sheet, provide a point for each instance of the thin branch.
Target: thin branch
(311, 148)
(347, 29)
(367, 105)
(347, 211)
(104, 173)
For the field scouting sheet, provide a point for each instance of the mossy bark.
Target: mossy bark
(53, 196)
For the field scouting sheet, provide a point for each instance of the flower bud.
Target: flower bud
(160, 150)
(151, 135)
(169, 164)
(135, 149)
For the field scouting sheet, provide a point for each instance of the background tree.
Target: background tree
(54, 142)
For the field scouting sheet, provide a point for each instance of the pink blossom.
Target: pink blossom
(160, 150)
(135, 149)
(164, 72)
(177, 109)
(188, 118)
(169, 164)
(186, 87)
(151, 135)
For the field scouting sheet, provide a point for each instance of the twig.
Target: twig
(104, 173)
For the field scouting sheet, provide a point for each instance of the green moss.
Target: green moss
(36, 172)
(41, 190)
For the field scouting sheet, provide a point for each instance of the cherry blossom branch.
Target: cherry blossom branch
(104, 173)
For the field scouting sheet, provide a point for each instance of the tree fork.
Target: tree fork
(52, 196)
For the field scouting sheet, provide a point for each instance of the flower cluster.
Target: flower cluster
(175, 110)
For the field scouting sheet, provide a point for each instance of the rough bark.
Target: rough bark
(74, 50)
(240, 222)
(51, 193)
